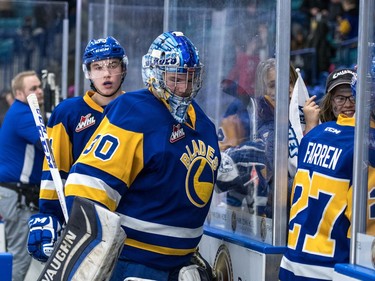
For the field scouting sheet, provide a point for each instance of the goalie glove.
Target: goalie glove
(237, 164)
(43, 233)
(242, 174)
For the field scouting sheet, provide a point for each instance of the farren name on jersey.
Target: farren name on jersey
(322, 155)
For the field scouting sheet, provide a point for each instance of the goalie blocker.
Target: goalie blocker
(89, 246)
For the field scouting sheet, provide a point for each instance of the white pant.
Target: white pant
(16, 231)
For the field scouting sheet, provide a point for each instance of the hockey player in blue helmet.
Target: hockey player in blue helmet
(173, 72)
(70, 127)
(103, 58)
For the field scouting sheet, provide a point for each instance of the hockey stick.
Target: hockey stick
(35, 109)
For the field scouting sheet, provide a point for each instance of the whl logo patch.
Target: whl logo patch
(177, 133)
(85, 122)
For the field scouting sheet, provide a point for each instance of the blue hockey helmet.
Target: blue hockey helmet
(101, 49)
(172, 52)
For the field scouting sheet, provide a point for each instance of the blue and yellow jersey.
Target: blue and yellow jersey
(319, 224)
(156, 173)
(21, 154)
(370, 227)
(69, 128)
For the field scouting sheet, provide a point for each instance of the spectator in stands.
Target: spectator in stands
(242, 74)
(315, 7)
(334, 13)
(339, 98)
(298, 43)
(348, 23)
(319, 40)
(315, 10)
(299, 38)
(266, 94)
(263, 32)
(298, 17)
(239, 83)
(334, 9)
(6, 9)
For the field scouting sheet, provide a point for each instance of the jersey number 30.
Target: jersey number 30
(105, 148)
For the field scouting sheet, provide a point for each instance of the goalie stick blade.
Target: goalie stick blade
(89, 246)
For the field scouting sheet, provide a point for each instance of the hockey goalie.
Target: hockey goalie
(151, 168)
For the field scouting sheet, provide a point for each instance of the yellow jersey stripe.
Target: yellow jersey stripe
(158, 249)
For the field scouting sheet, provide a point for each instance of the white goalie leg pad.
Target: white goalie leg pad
(137, 279)
(189, 273)
(89, 246)
(100, 262)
